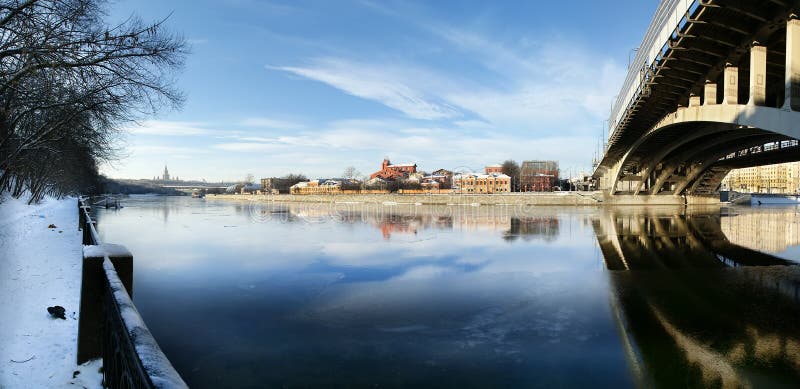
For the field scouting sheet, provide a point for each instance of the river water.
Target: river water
(252, 295)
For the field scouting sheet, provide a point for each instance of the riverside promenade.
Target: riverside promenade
(40, 266)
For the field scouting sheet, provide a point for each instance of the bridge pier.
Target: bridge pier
(731, 87)
(663, 199)
(710, 93)
(758, 75)
(792, 81)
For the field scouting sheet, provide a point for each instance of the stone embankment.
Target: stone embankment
(537, 199)
(555, 198)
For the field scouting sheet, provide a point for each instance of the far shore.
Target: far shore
(551, 198)
(529, 198)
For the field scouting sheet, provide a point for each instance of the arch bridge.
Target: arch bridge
(714, 86)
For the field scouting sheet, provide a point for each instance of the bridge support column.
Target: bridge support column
(792, 83)
(710, 93)
(694, 100)
(731, 85)
(758, 75)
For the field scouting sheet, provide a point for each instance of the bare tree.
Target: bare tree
(248, 179)
(69, 82)
(511, 169)
(351, 173)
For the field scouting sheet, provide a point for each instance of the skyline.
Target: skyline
(312, 88)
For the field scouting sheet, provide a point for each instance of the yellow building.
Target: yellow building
(316, 187)
(481, 183)
(780, 178)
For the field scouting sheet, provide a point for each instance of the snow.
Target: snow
(110, 249)
(162, 374)
(41, 267)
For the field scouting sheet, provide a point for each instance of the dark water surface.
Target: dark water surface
(243, 295)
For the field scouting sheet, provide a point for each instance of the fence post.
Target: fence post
(81, 217)
(90, 326)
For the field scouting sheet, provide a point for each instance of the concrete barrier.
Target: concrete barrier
(90, 326)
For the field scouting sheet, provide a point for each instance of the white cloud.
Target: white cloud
(382, 83)
(262, 122)
(252, 147)
(554, 85)
(168, 128)
(345, 143)
(513, 99)
(158, 149)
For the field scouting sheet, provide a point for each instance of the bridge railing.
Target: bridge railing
(763, 148)
(671, 17)
(131, 355)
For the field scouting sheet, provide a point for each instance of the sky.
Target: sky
(312, 87)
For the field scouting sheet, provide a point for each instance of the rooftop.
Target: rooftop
(481, 175)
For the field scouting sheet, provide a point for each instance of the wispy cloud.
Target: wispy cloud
(335, 146)
(378, 82)
(170, 128)
(463, 95)
(158, 150)
(558, 84)
(262, 122)
(248, 147)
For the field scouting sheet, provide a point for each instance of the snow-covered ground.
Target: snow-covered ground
(41, 267)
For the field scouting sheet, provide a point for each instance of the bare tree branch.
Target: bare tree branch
(69, 82)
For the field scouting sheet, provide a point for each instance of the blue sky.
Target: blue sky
(315, 86)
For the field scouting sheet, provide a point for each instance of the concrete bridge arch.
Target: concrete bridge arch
(692, 140)
(716, 86)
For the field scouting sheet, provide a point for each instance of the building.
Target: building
(474, 183)
(390, 171)
(493, 169)
(430, 186)
(443, 176)
(267, 184)
(442, 172)
(166, 173)
(780, 178)
(538, 176)
(437, 181)
(316, 187)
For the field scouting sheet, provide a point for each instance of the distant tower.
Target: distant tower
(166, 173)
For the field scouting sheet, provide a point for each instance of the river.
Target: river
(252, 295)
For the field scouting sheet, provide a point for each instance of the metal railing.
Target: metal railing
(131, 355)
(671, 16)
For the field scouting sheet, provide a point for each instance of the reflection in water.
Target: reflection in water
(397, 295)
(770, 229)
(545, 228)
(686, 320)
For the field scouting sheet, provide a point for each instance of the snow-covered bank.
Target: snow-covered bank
(40, 266)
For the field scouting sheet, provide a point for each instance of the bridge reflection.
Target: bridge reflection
(695, 309)
(637, 240)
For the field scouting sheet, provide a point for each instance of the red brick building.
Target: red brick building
(539, 176)
(393, 172)
(493, 169)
